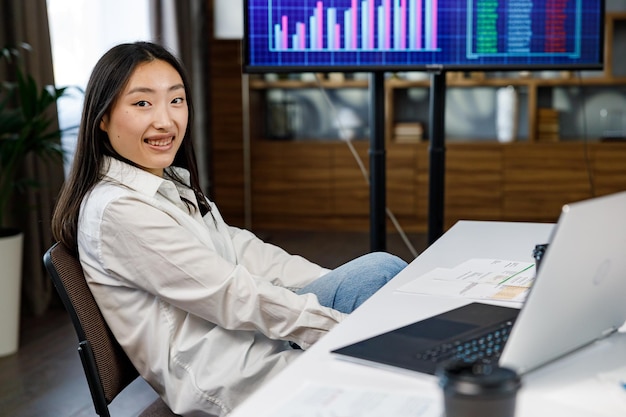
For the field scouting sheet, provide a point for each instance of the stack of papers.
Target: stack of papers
(482, 279)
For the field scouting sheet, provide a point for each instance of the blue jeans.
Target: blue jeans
(348, 286)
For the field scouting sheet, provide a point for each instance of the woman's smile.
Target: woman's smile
(160, 141)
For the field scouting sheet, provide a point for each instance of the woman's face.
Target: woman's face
(147, 122)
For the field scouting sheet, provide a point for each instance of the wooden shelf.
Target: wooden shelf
(395, 83)
(260, 84)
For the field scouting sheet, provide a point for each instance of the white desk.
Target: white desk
(567, 387)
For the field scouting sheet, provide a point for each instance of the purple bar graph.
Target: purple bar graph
(406, 25)
(434, 26)
(371, 21)
(418, 29)
(403, 24)
(302, 36)
(354, 14)
(387, 23)
(320, 25)
(285, 43)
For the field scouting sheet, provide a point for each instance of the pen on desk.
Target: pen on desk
(515, 274)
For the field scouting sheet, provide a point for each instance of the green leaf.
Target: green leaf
(26, 125)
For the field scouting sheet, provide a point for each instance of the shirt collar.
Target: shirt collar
(139, 180)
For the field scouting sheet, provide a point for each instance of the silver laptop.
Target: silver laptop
(579, 296)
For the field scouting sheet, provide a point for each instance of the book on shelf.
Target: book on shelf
(548, 126)
(408, 132)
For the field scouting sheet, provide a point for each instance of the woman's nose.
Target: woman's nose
(162, 117)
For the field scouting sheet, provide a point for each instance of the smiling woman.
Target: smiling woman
(207, 312)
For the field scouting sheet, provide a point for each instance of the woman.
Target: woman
(205, 311)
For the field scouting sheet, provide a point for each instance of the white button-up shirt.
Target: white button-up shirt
(202, 309)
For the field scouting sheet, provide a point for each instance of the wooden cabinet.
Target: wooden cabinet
(300, 186)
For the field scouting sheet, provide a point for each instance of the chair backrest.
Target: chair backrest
(106, 366)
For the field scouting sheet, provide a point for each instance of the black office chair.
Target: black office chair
(107, 368)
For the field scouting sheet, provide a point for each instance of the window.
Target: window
(81, 31)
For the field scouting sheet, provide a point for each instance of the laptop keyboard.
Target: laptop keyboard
(485, 347)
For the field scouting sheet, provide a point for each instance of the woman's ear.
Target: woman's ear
(104, 123)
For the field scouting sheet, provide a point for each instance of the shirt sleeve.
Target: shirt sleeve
(145, 248)
(272, 262)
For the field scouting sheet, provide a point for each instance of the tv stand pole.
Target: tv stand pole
(437, 155)
(378, 233)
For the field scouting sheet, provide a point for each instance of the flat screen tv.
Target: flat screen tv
(406, 35)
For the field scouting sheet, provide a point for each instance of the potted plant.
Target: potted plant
(27, 127)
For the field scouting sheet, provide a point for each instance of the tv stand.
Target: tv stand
(378, 177)
(437, 155)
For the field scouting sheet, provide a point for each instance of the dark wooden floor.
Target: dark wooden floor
(45, 377)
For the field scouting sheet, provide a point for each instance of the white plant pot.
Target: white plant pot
(10, 291)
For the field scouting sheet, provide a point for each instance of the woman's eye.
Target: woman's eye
(178, 100)
(142, 103)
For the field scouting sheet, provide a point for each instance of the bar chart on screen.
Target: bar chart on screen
(395, 35)
(356, 25)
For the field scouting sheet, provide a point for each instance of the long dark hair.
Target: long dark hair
(108, 79)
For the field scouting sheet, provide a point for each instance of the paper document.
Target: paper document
(491, 279)
(314, 400)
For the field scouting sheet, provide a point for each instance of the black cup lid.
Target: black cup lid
(476, 378)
